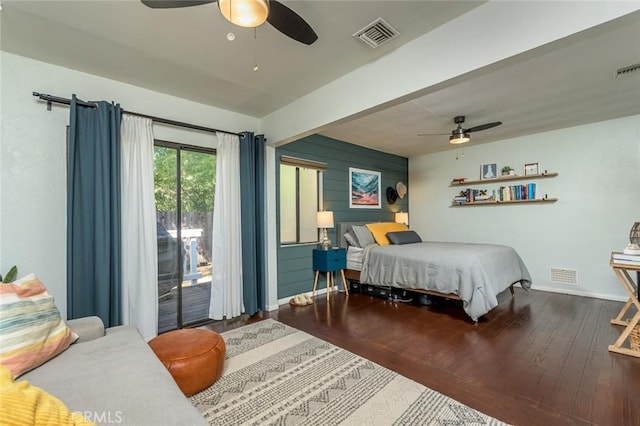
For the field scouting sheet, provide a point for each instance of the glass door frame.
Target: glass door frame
(179, 148)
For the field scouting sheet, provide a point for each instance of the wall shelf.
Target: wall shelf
(493, 203)
(513, 191)
(503, 179)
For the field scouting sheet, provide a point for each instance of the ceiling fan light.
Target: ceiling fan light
(459, 138)
(245, 13)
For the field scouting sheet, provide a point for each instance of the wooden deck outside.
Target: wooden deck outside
(195, 306)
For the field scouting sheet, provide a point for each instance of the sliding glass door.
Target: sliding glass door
(184, 191)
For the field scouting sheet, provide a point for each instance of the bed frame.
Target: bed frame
(354, 275)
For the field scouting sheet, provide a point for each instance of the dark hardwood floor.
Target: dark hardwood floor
(538, 359)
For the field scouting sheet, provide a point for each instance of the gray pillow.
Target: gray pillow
(351, 240)
(403, 237)
(364, 236)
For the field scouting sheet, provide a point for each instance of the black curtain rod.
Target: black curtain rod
(65, 101)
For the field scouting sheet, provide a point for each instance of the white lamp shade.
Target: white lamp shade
(324, 219)
(245, 13)
(402, 217)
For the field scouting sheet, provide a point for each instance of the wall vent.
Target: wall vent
(564, 276)
(627, 71)
(376, 33)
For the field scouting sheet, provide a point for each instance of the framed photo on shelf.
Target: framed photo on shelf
(532, 169)
(365, 187)
(488, 171)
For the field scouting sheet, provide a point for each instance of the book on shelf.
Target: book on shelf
(626, 262)
(472, 196)
(628, 257)
(517, 192)
(460, 200)
(531, 191)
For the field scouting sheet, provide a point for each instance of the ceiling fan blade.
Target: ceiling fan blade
(290, 23)
(483, 127)
(433, 134)
(171, 4)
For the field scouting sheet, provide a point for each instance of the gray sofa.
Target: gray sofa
(113, 377)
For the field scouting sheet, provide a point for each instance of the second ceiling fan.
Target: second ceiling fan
(460, 135)
(277, 14)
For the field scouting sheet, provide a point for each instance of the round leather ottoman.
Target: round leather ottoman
(194, 357)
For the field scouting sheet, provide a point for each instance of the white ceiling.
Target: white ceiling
(185, 53)
(566, 84)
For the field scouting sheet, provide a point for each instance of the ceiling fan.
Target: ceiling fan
(277, 14)
(460, 135)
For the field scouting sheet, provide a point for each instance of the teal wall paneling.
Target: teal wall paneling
(295, 274)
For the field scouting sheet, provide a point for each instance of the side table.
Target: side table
(329, 261)
(622, 271)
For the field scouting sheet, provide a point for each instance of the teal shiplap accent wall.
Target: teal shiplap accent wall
(295, 274)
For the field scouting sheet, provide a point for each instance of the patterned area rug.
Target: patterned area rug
(278, 375)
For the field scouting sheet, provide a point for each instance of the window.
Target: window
(300, 198)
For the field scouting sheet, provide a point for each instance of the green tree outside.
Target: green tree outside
(198, 180)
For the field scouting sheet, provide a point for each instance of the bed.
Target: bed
(472, 273)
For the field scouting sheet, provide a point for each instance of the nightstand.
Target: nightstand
(623, 272)
(330, 261)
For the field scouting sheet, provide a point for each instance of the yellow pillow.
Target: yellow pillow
(379, 231)
(24, 404)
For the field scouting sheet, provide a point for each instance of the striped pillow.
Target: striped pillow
(31, 329)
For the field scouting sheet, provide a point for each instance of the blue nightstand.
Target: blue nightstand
(330, 261)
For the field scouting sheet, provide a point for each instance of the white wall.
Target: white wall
(597, 187)
(33, 150)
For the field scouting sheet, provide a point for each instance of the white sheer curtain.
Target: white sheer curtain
(226, 263)
(139, 238)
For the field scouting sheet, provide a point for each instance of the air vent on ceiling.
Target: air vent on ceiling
(376, 33)
(626, 71)
(564, 276)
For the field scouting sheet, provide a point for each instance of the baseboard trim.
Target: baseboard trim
(580, 293)
(534, 287)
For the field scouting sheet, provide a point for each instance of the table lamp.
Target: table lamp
(324, 220)
(402, 217)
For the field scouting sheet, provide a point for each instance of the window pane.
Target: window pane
(197, 187)
(186, 300)
(308, 205)
(287, 204)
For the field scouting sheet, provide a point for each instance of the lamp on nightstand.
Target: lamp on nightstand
(402, 217)
(324, 220)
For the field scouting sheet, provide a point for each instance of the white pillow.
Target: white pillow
(364, 236)
(351, 240)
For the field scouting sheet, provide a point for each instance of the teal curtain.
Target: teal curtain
(93, 212)
(253, 222)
